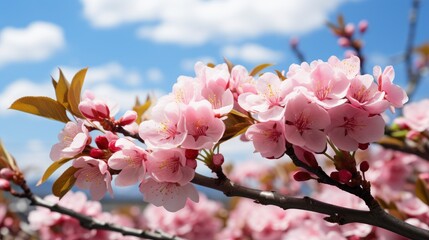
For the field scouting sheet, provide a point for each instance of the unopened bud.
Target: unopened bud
(335, 175)
(349, 29)
(112, 146)
(218, 159)
(344, 176)
(128, 118)
(96, 153)
(102, 142)
(191, 162)
(4, 184)
(301, 176)
(7, 173)
(363, 146)
(363, 26)
(364, 166)
(294, 42)
(310, 159)
(343, 42)
(191, 153)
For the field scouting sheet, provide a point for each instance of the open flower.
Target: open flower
(73, 139)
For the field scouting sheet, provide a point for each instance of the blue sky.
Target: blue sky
(134, 47)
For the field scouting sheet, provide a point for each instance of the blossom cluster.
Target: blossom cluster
(318, 103)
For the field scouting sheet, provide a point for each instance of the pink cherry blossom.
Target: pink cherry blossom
(218, 75)
(128, 118)
(93, 174)
(351, 126)
(327, 87)
(186, 90)
(73, 139)
(131, 161)
(171, 196)
(270, 99)
(305, 122)
(241, 82)
(415, 116)
(204, 129)
(195, 221)
(169, 165)
(268, 138)
(349, 66)
(393, 93)
(93, 108)
(222, 100)
(363, 92)
(167, 127)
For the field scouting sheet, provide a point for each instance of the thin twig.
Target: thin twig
(413, 77)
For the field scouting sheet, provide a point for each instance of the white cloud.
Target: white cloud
(198, 21)
(21, 88)
(35, 159)
(189, 63)
(103, 73)
(252, 53)
(154, 75)
(38, 41)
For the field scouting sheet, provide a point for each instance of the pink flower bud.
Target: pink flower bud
(335, 175)
(349, 29)
(363, 146)
(192, 163)
(363, 26)
(364, 166)
(96, 153)
(94, 109)
(102, 142)
(7, 173)
(294, 42)
(4, 184)
(112, 146)
(310, 159)
(301, 176)
(191, 153)
(218, 159)
(343, 42)
(128, 118)
(344, 176)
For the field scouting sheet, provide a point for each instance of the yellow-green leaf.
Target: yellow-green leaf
(259, 68)
(51, 169)
(75, 92)
(140, 109)
(9, 161)
(41, 106)
(61, 90)
(422, 191)
(280, 75)
(235, 124)
(64, 183)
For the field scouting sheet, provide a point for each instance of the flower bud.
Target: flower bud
(7, 173)
(293, 42)
(102, 142)
(363, 26)
(364, 166)
(96, 153)
(363, 146)
(301, 176)
(191, 153)
(128, 118)
(349, 29)
(343, 42)
(112, 146)
(310, 159)
(4, 185)
(335, 175)
(344, 176)
(218, 159)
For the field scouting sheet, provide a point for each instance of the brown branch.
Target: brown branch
(413, 77)
(89, 222)
(376, 217)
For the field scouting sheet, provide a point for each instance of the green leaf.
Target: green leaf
(61, 90)
(64, 183)
(51, 169)
(75, 92)
(422, 191)
(41, 106)
(259, 68)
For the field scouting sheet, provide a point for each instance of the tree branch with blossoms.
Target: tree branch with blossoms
(318, 109)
